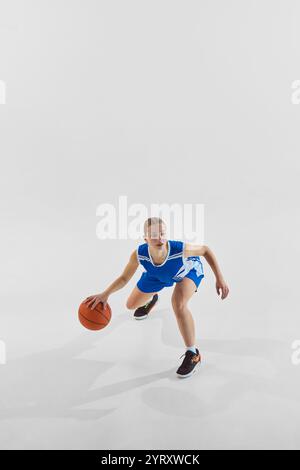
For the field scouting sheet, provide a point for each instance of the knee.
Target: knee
(179, 306)
(130, 305)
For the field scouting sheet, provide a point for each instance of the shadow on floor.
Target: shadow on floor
(54, 383)
(202, 397)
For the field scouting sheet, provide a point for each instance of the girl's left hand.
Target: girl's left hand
(221, 285)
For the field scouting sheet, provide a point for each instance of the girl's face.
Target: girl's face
(156, 235)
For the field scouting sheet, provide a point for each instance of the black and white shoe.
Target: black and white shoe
(142, 312)
(189, 363)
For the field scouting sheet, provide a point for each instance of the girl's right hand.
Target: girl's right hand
(93, 300)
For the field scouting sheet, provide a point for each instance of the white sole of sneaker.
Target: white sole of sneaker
(180, 376)
(141, 318)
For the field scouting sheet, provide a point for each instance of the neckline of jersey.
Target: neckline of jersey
(167, 257)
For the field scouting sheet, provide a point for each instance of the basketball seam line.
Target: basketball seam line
(96, 323)
(107, 319)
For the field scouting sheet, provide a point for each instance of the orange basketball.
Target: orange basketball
(95, 319)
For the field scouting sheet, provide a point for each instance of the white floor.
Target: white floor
(204, 111)
(117, 388)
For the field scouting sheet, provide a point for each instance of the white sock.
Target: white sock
(192, 348)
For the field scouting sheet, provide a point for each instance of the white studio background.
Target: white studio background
(164, 102)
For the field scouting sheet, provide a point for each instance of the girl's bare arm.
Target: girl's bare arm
(203, 250)
(117, 284)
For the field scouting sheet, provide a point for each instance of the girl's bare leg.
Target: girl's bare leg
(182, 293)
(138, 298)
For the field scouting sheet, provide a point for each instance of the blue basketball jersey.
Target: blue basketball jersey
(174, 268)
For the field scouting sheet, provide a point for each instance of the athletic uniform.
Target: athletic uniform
(173, 269)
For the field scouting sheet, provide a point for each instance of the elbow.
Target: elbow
(206, 250)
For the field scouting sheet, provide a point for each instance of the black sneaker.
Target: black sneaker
(142, 312)
(189, 363)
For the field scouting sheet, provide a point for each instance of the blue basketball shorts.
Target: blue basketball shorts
(150, 284)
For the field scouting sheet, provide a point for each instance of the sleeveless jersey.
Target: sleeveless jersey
(174, 268)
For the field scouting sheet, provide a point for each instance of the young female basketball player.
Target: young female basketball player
(166, 262)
